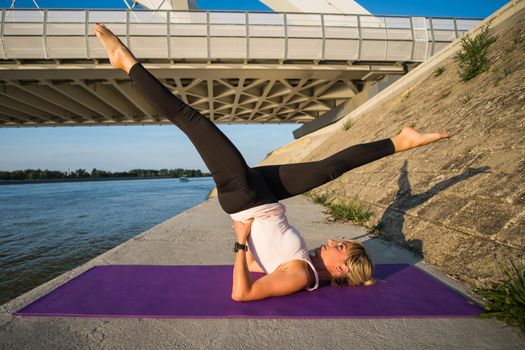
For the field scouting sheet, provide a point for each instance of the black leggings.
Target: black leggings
(239, 186)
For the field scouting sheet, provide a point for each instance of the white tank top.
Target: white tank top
(273, 241)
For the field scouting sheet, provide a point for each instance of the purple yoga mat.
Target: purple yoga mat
(204, 291)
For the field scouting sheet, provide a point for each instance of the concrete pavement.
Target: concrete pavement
(202, 235)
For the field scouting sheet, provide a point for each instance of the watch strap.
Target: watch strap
(238, 246)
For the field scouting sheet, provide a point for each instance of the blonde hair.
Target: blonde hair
(360, 267)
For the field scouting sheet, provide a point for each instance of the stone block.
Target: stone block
(393, 163)
(357, 191)
(439, 242)
(361, 179)
(514, 232)
(471, 181)
(506, 160)
(419, 180)
(370, 194)
(349, 183)
(482, 217)
(426, 239)
(392, 223)
(408, 202)
(387, 197)
(462, 161)
(449, 182)
(414, 232)
(478, 261)
(502, 187)
(373, 178)
(389, 180)
(441, 207)
(426, 163)
(370, 168)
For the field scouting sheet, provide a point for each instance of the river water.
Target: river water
(49, 228)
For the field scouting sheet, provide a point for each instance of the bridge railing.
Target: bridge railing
(215, 35)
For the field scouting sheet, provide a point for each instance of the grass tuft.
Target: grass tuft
(439, 70)
(467, 98)
(506, 300)
(320, 198)
(472, 58)
(349, 212)
(347, 125)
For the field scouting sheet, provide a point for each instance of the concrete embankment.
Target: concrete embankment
(458, 203)
(202, 235)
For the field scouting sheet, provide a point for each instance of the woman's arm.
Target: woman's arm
(277, 283)
(241, 276)
(253, 266)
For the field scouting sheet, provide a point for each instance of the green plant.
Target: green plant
(320, 198)
(506, 300)
(467, 98)
(347, 125)
(439, 70)
(352, 212)
(472, 58)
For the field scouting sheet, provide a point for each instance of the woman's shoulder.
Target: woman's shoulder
(295, 265)
(301, 268)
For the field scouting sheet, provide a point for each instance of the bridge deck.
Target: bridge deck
(232, 66)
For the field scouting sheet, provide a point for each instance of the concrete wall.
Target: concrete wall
(459, 203)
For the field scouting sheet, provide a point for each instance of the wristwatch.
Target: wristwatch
(239, 246)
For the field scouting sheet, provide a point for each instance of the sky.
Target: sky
(119, 148)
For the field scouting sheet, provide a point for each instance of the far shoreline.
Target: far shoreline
(39, 181)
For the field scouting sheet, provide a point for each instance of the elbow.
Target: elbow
(240, 297)
(237, 297)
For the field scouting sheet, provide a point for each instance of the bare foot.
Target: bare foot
(410, 138)
(119, 55)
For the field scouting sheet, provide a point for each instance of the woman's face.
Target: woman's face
(334, 254)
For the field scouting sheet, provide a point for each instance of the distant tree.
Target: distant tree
(35, 174)
(80, 173)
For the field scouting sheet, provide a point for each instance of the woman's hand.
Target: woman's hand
(242, 229)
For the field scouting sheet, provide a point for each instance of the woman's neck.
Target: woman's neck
(322, 272)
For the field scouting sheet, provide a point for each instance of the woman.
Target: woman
(251, 195)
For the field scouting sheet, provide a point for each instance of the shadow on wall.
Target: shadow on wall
(392, 221)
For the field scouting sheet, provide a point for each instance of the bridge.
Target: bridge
(234, 67)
